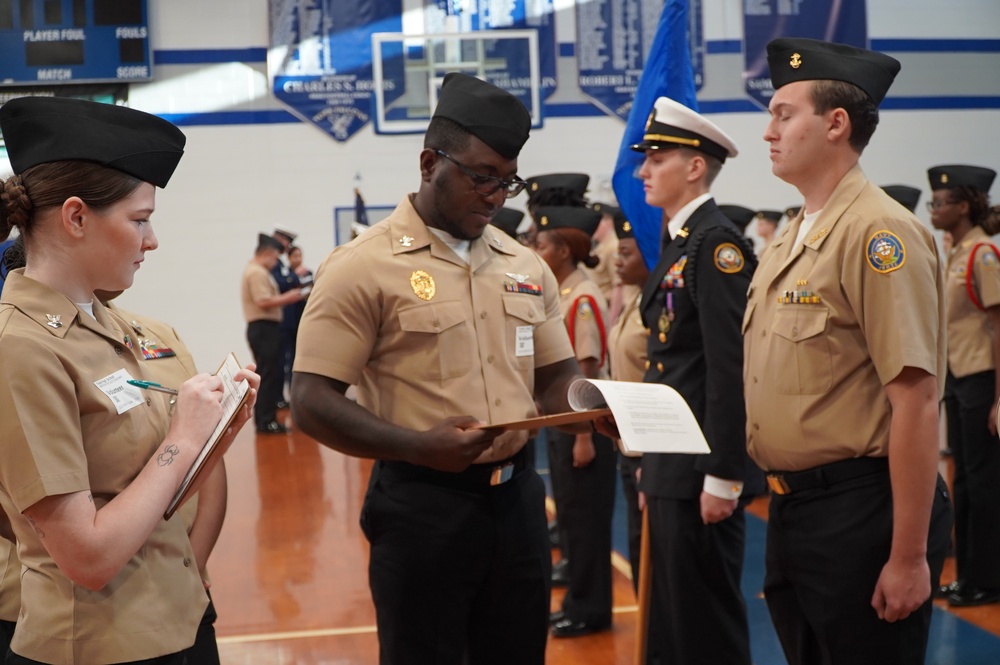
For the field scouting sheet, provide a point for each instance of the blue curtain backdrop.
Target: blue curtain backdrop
(668, 73)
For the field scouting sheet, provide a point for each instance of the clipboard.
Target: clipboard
(552, 420)
(235, 398)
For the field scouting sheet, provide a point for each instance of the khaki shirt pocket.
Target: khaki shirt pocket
(521, 311)
(438, 339)
(800, 362)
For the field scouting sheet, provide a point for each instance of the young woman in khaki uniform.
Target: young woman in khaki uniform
(89, 463)
(582, 465)
(961, 207)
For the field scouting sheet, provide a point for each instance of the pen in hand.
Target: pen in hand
(149, 385)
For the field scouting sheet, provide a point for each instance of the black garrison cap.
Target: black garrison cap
(774, 216)
(798, 59)
(494, 116)
(904, 195)
(265, 241)
(623, 227)
(948, 176)
(574, 183)
(507, 220)
(738, 215)
(606, 208)
(792, 211)
(567, 217)
(38, 130)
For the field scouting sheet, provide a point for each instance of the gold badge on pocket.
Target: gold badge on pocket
(423, 285)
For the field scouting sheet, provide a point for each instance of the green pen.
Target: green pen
(149, 385)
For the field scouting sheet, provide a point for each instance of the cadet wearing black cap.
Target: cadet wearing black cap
(844, 349)
(904, 195)
(767, 223)
(693, 303)
(88, 463)
(443, 323)
(582, 466)
(961, 207)
(262, 303)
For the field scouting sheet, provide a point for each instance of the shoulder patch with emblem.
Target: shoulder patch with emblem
(729, 258)
(885, 252)
(584, 310)
(989, 259)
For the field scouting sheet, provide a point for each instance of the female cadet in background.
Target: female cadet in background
(961, 207)
(583, 463)
(627, 355)
(90, 463)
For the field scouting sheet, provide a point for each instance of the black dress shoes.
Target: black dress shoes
(273, 427)
(946, 590)
(281, 405)
(560, 573)
(556, 617)
(553, 534)
(569, 628)
(967, 596)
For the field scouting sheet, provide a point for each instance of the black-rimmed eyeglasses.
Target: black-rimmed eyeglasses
(487, 185)
(934, 205)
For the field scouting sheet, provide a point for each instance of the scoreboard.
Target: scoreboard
(47, 42)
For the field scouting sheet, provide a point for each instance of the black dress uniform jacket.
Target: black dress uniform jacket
(702, 357)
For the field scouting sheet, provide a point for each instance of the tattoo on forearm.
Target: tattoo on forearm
(41, 534)
(168, 454)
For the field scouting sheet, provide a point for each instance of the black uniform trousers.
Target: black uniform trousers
(696, 582)
(825, 551)
(585, 508)
(627, 466)
(976, 483)
(559, 477)
(460, 571)
(265, 343)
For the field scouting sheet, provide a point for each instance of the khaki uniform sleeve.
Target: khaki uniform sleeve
(40, 436)
(986, 276)
(551, 341)
(900, 312)
(261, 285)
(588, 338)
(341, 321)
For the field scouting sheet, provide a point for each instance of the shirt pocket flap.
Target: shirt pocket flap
(799, 323)
(431, 318)
(526, 308)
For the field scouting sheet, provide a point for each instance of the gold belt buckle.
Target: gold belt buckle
(501, 474)
(778, 484)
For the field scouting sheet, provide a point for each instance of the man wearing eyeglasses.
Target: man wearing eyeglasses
(443, 323)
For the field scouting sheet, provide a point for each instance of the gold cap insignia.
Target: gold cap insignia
(534, 186)
(423, 285)
(796, 61)
(650, 119)
(544, 222)
(944, 178)
(627, 226)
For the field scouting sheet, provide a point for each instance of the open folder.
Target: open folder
(234, 398)
(651, 417)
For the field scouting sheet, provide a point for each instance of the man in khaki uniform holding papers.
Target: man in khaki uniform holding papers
(844, 366)
(442, 323)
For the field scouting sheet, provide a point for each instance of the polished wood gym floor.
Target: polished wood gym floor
(289, 573)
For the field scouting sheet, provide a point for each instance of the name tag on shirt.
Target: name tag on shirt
(525, 341)
(121, 394)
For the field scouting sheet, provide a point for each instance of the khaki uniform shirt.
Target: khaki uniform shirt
(10, 581)
(970, 334)
(588, 330)
(61, 434)
(831, 321)
(627, 347)
(256, 285)
(426, 336)
(603, 274)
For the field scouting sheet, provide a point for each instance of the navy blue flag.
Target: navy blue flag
(360, 212)
(668, 73)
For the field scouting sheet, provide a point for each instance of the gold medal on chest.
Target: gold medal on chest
(423, 285)
(663, 323)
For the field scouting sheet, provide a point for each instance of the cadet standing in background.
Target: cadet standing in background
(845, 350)
(961, 207)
